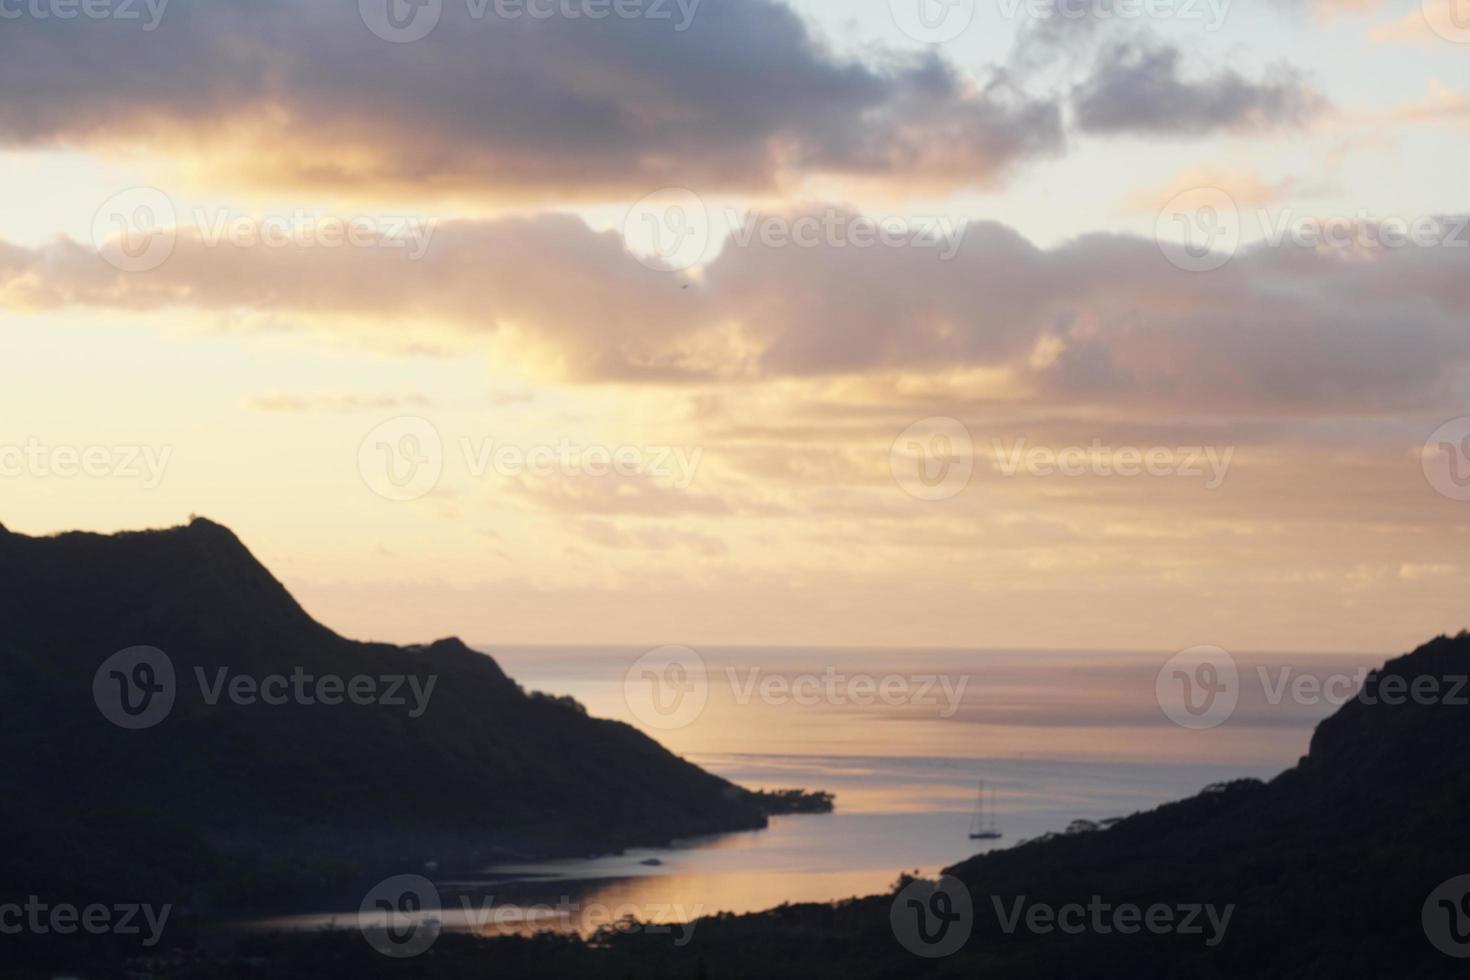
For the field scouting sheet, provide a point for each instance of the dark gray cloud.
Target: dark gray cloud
(297, 93)
(1139, 86)
(301, 92)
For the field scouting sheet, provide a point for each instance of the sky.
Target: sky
(1117, 324)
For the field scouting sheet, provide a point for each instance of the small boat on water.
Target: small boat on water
(982, 824)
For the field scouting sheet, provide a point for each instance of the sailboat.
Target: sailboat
(982, 824)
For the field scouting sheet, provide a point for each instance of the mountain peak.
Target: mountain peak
(152, 583)
(197, 523)
(453, 648)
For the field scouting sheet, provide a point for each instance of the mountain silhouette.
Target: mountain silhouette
(1335, 868)
(1332, 869)
(241, 802)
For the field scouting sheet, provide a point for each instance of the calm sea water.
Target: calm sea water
(1059, 735)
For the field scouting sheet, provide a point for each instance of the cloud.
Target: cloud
(1443, 106)
(331, 403)
(300, 94)
(614, 496)
(652, 537)
(1434, 24)
(1100, 319)
(1246, 188)
(1416, 571)
(1137, 87)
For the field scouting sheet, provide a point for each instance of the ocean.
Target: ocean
(902, 738)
